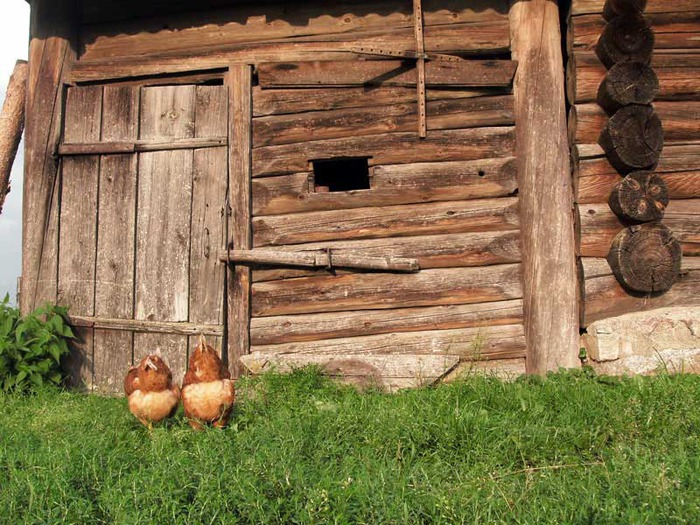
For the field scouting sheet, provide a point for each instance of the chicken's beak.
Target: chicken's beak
(150, 364)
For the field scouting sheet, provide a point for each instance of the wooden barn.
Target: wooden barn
(395, 190)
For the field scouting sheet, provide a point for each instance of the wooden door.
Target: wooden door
(142, 220)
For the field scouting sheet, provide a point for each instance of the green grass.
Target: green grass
(572, 448)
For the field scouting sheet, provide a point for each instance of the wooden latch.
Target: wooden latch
(320, 259)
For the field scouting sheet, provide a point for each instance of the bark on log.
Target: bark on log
(642, 196)
(12, 124)
(626, 39)
(645, 258)
(615, 8)
(633, 138)
(627, 83)
(550, 281)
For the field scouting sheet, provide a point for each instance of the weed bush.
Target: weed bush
(31, 347)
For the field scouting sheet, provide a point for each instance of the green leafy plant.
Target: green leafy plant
(31, 347)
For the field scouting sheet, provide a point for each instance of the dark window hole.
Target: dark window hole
(343, 174)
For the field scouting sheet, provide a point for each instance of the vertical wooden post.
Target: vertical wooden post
(50, 51)
(550, 286)
(240, 81)
(12, 125)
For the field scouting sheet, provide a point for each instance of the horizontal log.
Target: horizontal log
(680, 121)
(595, 151)
(384, 372)
(337, 293)
(599, 226)
(321, 259)
(336, 325)
(191, 36)
(287, 101)
(604, 297)
(474, 344)
(390, 185)
(343, 14)
(135, 325)
(677, 30)
(394, 221)
(353, 122)
(390, 148)
(585, 7)
(431, 251)
(106, 148)
(678, 75)
(467, 73)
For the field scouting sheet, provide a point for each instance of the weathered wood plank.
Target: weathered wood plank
(466, 73)
(268, 102)
(330, 124)
(106, 148)
(136, 325)
(680, 120)
(209, 217)
(677, 74)
(597, 188)
(550, 281)
(337, 293)
(167, 112)
(431, 251)
(390, 185)
(484, 342)
(197, 37)
(163, 236)
(391, 148)
(676, 30)
(384, 372)
(583, 7)
(599, 226)
(12, 124)
(604, 297)
(395, 221)
(50, 55)
(114, 271)
(240, 82)
(336, 325)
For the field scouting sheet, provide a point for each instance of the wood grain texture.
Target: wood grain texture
(431, 251)
(599, 226)
(268, 102)
(50, 55)
(12, 124)
(550, 280)
(239, 81)
(677, 74)
(390, 148)
(492, 342)
(330, 124)
(337, 325)
(466, 73)
(390, 185)
(336, 293)
(367, 223)
(604, 297)
(114, 271)
(680, 121)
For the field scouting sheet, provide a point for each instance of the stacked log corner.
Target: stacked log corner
(615, 132)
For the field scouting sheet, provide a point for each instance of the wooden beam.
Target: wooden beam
(550, 284)
(12, 124)
(50, 52)
(138, 146)
(420, 66)
(466, 73)
(137, 325)
(240, 83)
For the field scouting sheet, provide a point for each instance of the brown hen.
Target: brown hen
(207, 390)
(149, 387)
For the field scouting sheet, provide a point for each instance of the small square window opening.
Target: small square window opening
(343, 174)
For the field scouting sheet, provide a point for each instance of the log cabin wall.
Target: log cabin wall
(325, 83)
(675, 61)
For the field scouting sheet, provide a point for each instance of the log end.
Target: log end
(642, 196)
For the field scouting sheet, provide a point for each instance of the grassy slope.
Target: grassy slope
(569, 449)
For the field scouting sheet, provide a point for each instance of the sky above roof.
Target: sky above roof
(14, 38)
